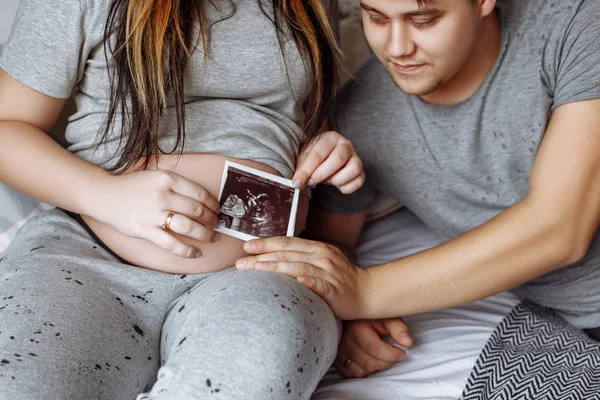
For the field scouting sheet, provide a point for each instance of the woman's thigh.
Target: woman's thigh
(74, 323)
(246, 335)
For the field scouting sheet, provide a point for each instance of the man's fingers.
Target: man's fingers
(396, 328)
(355, 362)
(287, 243)
(291, 268)
(398, 331)
(250, 261)
(321, 287)
(350, 369)
(371, 344)
(344, 360)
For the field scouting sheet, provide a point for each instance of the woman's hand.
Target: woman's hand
(320, 267)
(363, 351)
(330, 158)
(138, 204)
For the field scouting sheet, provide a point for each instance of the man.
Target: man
(483, 118)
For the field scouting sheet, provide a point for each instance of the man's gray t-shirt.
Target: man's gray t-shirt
(243, 101)
(458, 166)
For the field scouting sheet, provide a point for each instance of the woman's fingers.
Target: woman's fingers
(350, 177)
(185, 226)
(313, 155)
(350, 171)
(332, 159)
(189, 210)
(335, 163)
(194, 210)
(170, 243)
(346, 173)
(188, 188)
(354, 185)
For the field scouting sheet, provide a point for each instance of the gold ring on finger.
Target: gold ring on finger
(167, 224)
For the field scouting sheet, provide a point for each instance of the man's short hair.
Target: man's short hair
(422, 3)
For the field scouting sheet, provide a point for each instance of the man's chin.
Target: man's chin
(415, 89)
(417, 86)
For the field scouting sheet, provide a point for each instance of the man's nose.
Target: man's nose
(400, 42)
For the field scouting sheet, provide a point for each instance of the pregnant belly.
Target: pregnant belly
(206, 170)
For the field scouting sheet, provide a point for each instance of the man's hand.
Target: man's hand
(331, 159)
(321, 267)
(363, 351)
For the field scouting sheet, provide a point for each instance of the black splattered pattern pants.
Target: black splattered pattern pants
(75, 323)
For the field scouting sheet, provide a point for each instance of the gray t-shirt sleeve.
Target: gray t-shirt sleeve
(575, 67)
(45, 48)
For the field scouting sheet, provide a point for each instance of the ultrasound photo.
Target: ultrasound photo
(256, 204)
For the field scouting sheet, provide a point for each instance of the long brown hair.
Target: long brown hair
(153, 43)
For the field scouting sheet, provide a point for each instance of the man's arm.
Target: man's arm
(551, 228)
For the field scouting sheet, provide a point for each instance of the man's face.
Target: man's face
(421, 47)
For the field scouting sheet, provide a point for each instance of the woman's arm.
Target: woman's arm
(136, 203)
(551, 228)
(33, 163)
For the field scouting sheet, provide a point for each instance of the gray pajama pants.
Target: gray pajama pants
(75, 323)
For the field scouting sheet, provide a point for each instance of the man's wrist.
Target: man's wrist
(368, 297)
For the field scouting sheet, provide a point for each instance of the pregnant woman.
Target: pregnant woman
(125, 289)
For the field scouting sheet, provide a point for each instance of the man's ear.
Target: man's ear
(486, 7)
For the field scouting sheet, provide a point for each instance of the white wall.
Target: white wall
(8, 9)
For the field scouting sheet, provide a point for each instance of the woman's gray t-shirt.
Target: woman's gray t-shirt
(243, 102)
(456, 167)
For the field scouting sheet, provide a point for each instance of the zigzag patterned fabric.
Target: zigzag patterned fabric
(536, 355)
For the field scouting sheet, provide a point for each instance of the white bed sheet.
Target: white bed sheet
(447, 342)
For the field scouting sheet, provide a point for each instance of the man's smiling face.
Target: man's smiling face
(422, 45)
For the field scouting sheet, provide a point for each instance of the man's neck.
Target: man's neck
(472, 74)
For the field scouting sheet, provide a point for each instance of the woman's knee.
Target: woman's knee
(276, 307)
(251, 327)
